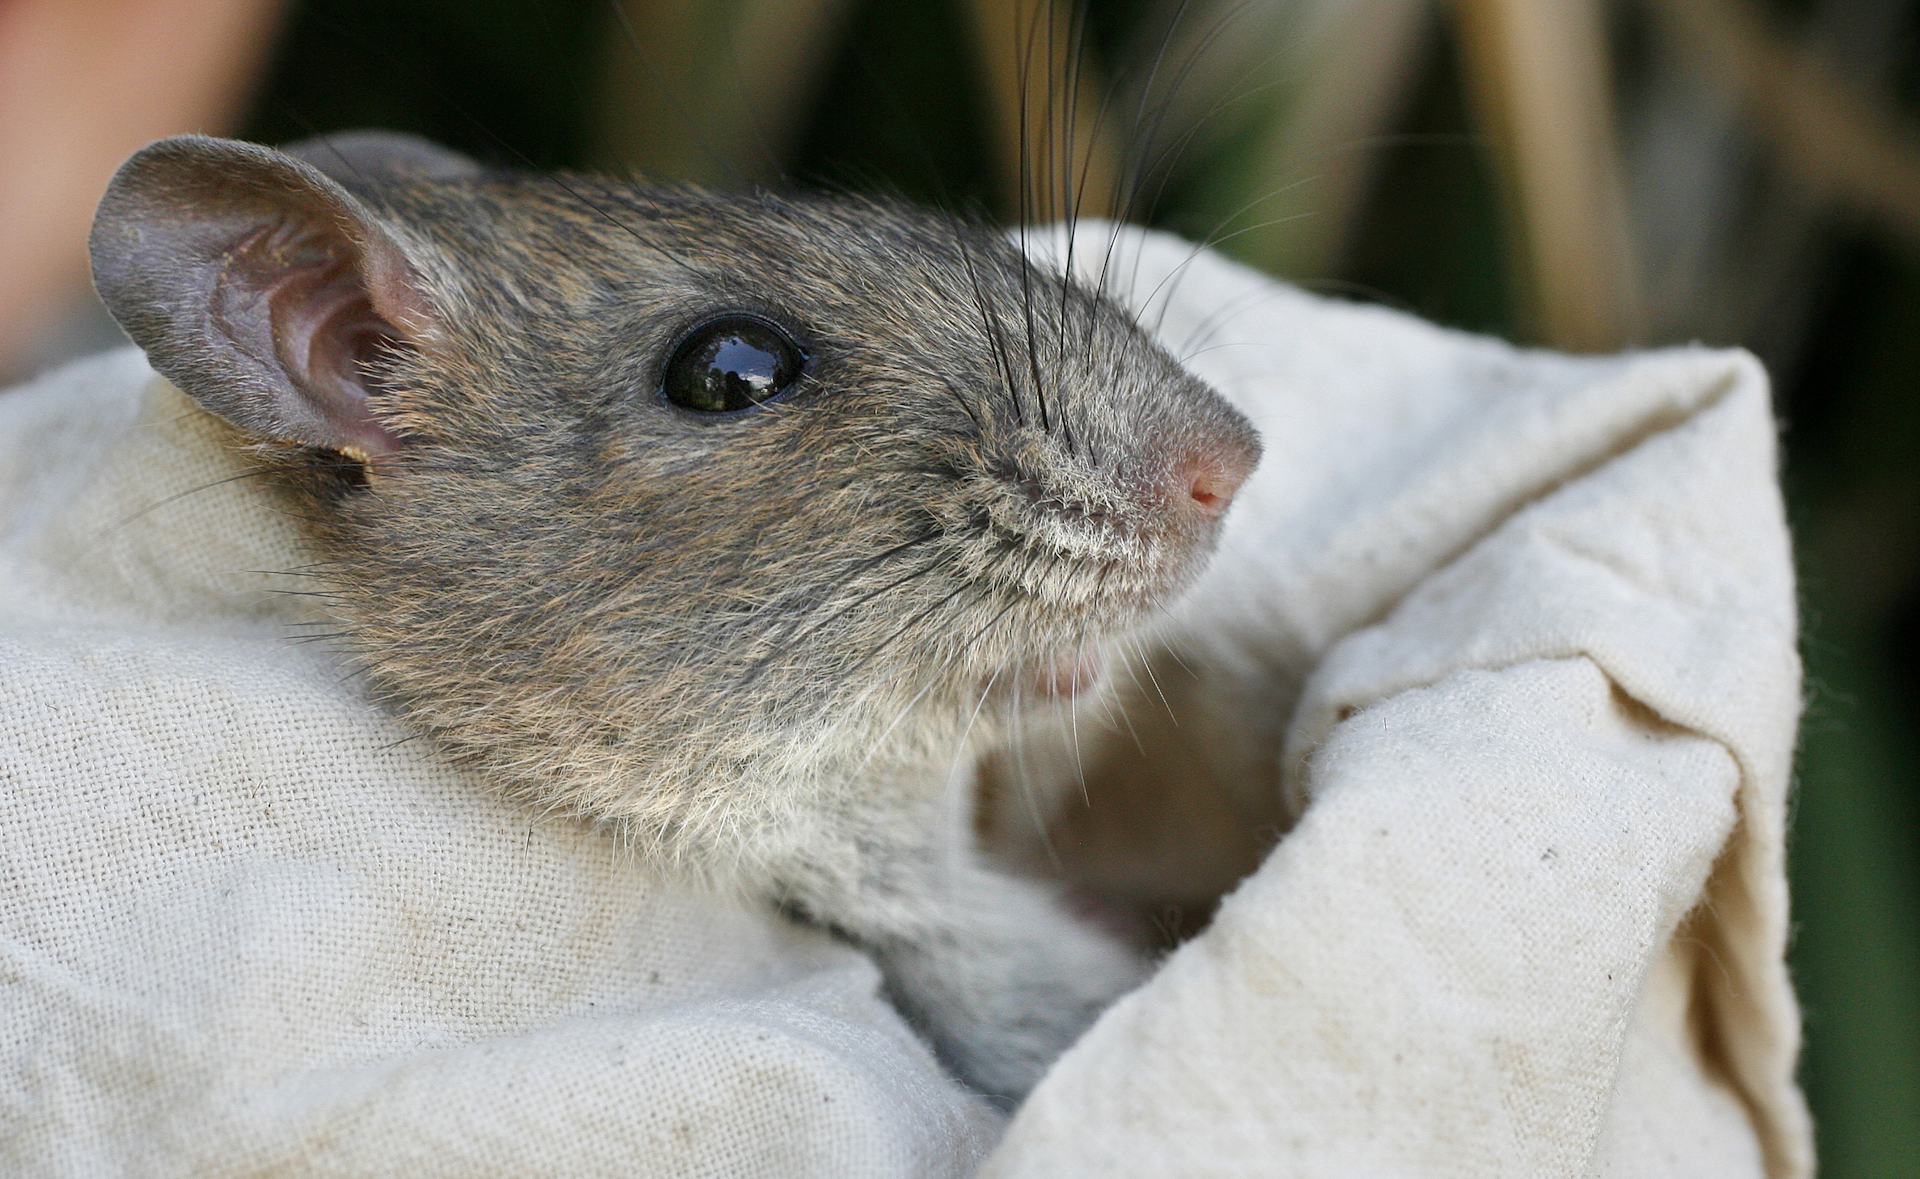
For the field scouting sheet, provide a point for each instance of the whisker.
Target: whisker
(880, 740)
(1147, 666)
(253, 473)
(1027, 792)
(833, 611)
(906, 628)
(991, 322)
(1073, 721)
(1136, 655)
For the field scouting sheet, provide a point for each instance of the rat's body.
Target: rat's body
(759, 638)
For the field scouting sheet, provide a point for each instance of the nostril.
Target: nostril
(1212, 478)
(1210, 495)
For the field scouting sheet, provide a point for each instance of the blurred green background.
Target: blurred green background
(1578, 174)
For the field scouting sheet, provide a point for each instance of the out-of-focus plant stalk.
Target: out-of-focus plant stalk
(711, 93)
(1282, 104)
(1354, 66)
(1537, 75)
(1831, 137)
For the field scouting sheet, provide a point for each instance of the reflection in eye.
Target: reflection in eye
(731, 363)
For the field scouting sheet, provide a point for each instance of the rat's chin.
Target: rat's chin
(1060, 675)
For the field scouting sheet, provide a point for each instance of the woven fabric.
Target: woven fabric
(1532, 620)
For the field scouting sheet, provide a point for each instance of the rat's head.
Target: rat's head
(638, 498)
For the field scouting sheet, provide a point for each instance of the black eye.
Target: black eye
(731, 363)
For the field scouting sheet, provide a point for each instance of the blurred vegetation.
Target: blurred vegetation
(1579, 174)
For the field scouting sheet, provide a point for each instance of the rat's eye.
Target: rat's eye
(734, 362)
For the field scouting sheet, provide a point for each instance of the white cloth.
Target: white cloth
(1533, 917)
(1530, 921)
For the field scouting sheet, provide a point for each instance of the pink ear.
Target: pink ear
(335, 318)
(261, 287)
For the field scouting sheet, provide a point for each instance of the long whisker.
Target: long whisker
(991, 322)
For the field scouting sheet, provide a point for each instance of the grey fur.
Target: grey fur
(759, 644)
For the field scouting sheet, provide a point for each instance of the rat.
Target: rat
(732, 521)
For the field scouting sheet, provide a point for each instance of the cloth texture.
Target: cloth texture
(1532, 919)
(1523, 622)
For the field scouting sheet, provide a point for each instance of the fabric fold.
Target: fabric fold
(1530, 638)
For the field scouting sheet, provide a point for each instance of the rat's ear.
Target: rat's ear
(259, 286)
(353, 157)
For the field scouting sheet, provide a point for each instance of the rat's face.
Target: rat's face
(655, 496)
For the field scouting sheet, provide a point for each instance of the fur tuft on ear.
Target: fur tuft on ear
(261, 287)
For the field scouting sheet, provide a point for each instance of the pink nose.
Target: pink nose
(1212, 474)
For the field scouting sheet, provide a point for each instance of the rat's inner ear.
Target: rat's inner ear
(333, 320)
(262, 288)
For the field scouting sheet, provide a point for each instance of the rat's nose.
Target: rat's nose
(1211, 472)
